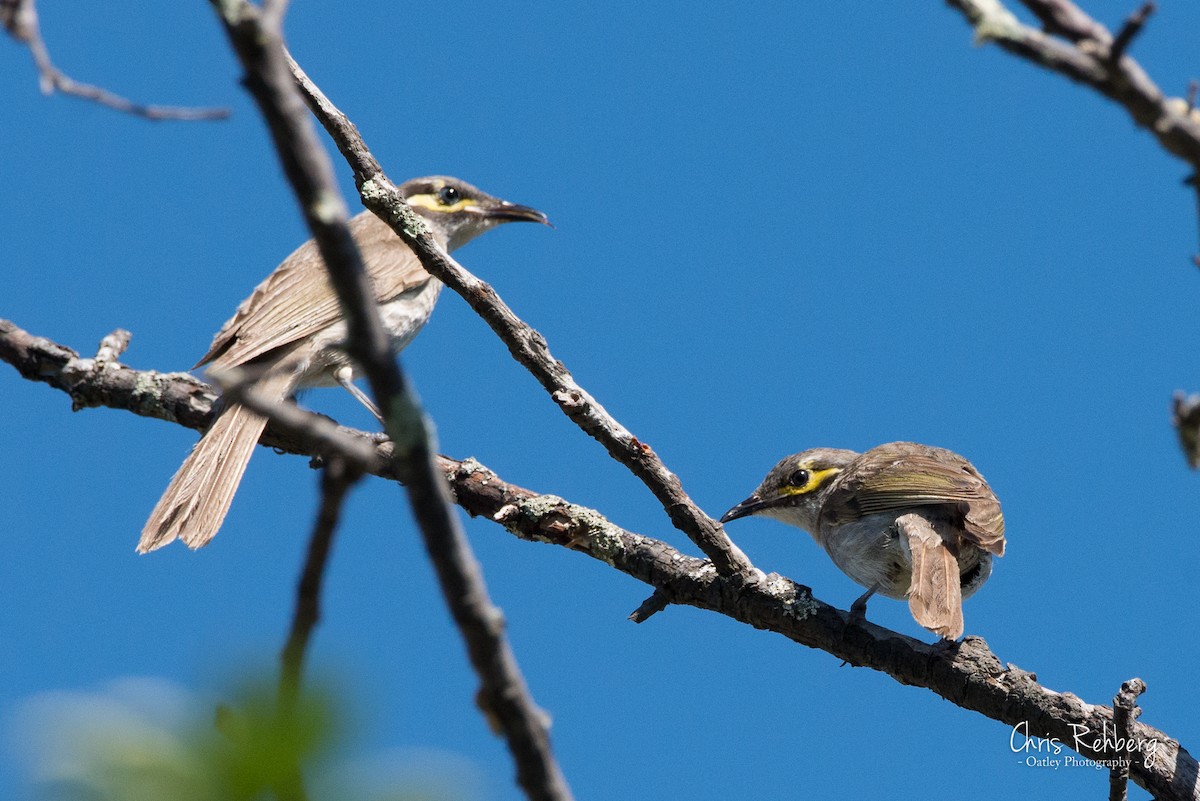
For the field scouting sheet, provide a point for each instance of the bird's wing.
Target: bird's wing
(904, 475)
(297, 300)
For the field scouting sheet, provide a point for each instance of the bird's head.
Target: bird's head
(458, 212)
(794, 489)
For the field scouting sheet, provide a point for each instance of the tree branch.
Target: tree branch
(1185, 417)
(1129, 31)
(968, 675)
(525, 344)
(19, 18)
(1080, 48)
(336, 480)
(256, 37)
(1067, 20)
(1125, 711)
(1076, 46)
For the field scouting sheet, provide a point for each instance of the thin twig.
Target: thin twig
(1193, 181)
(969, 675)
(1185, 417)
(112, 346)
(657, 602)
(19, 18)
(1065, 19)
(526, 345)
(344, 462)
(1125, 711)
(1076, 46)
(326, 435)
(345, 458)
(336, 480)
(1081, 55)
(273, 12)
(1132, 27)
(258, 42)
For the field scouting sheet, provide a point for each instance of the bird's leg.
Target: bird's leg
(342, 376)
(858, 609)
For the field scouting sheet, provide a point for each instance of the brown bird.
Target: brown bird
(290, 331)
(906, 520)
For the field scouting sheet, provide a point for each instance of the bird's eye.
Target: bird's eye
(799, 478)
(449, 195)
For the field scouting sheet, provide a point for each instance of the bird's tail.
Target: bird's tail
(935, 596)
(198, 497)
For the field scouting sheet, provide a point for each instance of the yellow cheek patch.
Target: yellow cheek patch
(815, 479)
(433, 203)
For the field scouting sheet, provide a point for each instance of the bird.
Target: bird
(908, 521)
(290, 332)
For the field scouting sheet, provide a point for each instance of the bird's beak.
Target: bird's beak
(751, 505)
(510, 212)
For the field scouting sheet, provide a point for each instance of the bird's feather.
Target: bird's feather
(297, 299)
(904, 475)
(935, 595)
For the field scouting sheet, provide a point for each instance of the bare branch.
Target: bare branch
(1185, 416)
(273, 12)
(1076, 46)
(1132, 27)
(1083, 54)
(19, 18)
(657, 602)
(336, 480)
(344, 132)
(1064, 18)
(1125, 711)
(257, 39)
(968, 675)
(525, 344)
(112, 346)
(1191, 180)
(326, 435)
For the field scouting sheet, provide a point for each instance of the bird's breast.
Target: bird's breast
(407, 314)
(403, 317)
(871, 551)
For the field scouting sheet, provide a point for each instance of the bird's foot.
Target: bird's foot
(858, 609)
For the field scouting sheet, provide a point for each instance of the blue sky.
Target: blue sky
(778, 227)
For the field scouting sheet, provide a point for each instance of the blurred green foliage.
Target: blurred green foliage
(147, 740)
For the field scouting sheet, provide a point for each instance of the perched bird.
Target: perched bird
(290, 331)
(906, 520)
